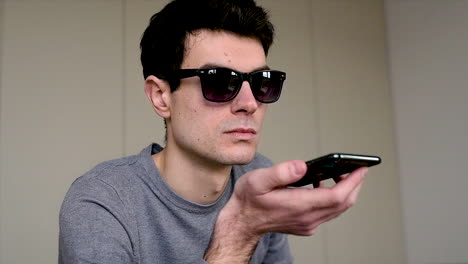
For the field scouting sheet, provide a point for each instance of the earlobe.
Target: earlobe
(159, 94)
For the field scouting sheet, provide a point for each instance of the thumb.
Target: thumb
(277, 176)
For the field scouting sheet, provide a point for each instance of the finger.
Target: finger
(326, 198)
(355, 193)
(351, 181)
(330, 215)
(339, 178)
(280, 175)
(337, 195)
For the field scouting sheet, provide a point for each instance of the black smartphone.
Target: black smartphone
(334, 165)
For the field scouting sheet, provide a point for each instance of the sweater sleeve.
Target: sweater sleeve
(94, 226)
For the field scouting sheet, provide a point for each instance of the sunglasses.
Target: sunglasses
(222, 84)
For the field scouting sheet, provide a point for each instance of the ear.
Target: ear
(159, 94)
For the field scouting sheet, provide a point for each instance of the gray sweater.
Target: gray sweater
(122, 211)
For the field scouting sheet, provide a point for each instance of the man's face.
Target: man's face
(217, 133)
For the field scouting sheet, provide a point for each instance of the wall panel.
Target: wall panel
(1, 130)
(429, 73)
(355, 117)
(61, 113)
(143, 125)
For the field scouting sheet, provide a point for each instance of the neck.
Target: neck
(192, 179)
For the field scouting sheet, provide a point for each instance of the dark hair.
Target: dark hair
(163, 42)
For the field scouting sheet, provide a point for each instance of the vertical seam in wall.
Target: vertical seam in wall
(315, 78)
(316, 105)
(396, 156)
(2, 23)
(124, 78)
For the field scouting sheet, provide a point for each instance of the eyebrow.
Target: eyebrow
(214, 65)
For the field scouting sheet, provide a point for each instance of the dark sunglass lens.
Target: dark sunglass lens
(219, 85)
(266, 86)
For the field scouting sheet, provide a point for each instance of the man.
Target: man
(206, 197)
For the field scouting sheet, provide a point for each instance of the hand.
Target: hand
(261, 200)
(261, 203)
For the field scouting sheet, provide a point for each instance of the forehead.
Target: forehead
(223, 49)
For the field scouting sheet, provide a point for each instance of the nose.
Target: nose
(245, 101)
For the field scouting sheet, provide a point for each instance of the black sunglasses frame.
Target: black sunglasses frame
(202, 73)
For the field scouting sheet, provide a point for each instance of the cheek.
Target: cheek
(193, 120)
(205, 122)
(260, 114)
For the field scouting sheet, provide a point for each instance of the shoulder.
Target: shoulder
(96, 219)
(106, 182)
(111, 171)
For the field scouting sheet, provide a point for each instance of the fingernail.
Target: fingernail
(294, 168)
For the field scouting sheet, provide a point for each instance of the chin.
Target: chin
(242, 162)
(240, 157)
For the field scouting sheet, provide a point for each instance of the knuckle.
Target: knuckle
(336, 199)
(306, 226)
(331, 215)
(250, 179)
(280, 171)
(350, 203)
(311, 231)
(335, 215)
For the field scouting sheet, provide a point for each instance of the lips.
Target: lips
(243, 130)
(242, 133)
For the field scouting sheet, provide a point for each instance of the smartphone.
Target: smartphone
(334, 165)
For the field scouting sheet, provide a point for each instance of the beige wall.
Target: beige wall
(72, 95)
(429, 76)
(1, 131)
